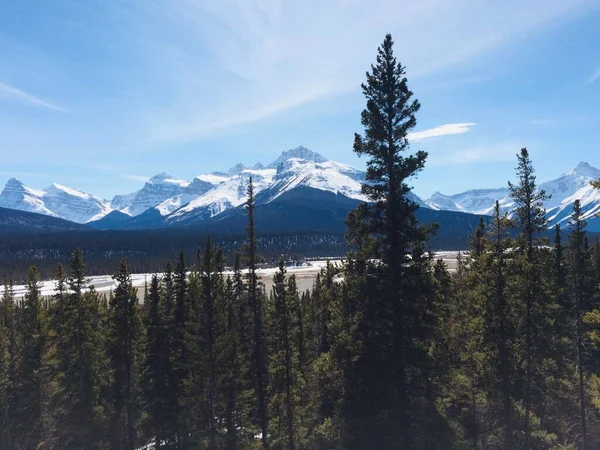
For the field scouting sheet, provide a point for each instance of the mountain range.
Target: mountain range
(298, 180)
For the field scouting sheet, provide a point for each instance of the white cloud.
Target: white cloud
(595, 76)
(268, 56)
(14, 93)
(169, 71)
(442, 130)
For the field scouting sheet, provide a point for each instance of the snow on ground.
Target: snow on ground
(305, 276)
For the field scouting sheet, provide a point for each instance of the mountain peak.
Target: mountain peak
(584, 169)
(300, 153)
(236, 169)
(14, 183)
(160, 178)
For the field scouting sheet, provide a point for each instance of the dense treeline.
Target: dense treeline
(148, 251)
(388, 351)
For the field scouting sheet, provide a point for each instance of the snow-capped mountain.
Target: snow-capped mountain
(229, 193)
(564, 190)
(178, 201)
(56, 201)
(477, 201)
(294, 168)
(168, 201)
(156, 190)
(299, 153)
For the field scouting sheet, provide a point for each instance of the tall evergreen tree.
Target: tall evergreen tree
(79, 373)
(10, 376)
(30, 387)
(500, 327)
(172, 407)
(578, 259)
(255, 300)
(232, 383)
(283, 366)
(211, 277)
(385, 396)
(156, 363)
(530, 220)
(124, 351)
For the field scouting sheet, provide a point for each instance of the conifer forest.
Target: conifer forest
(389, 350)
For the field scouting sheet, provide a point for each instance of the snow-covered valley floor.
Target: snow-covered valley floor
(305, 276)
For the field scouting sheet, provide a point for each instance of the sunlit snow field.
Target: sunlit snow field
(305, 276)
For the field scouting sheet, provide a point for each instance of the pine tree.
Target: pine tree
(382, 411)
(530, 220)
(30, 387)
(80, 371)
(477, 240)
(283, 362)
(172, 407)
(211, 277)
(255, 300)
(468, 352)
(124, 341)
(231, 374)
(500, 332)
(578, 289)
(156, 363)
(10, 366)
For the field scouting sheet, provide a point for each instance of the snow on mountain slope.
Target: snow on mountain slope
(74, 205)
(192, 191)
(564, 187)
(56, 200)
(589, 198)
(16, 195)
(564, 190)
(299, 153)
(228, 194)
(156, 190)
(478, 201)
(326, 176)
(205, 196)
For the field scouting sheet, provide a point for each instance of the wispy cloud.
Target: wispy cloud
(14, 93)
(442, 130)
(156, 74)
(595, 76)
(264, 62)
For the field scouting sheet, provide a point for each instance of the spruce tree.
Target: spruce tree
(30, 387)
(385, 397)
(11, 376)
(578, 259)
(172, 407)
(79, 371)
(500, 327)
(156, 363)
(283, 366)
(232, 384)
(124, 340)
(530, 220)
(211, 278)
(256, 304)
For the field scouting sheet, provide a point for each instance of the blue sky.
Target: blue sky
(100, 95)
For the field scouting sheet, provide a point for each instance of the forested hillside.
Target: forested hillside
(396, 353)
